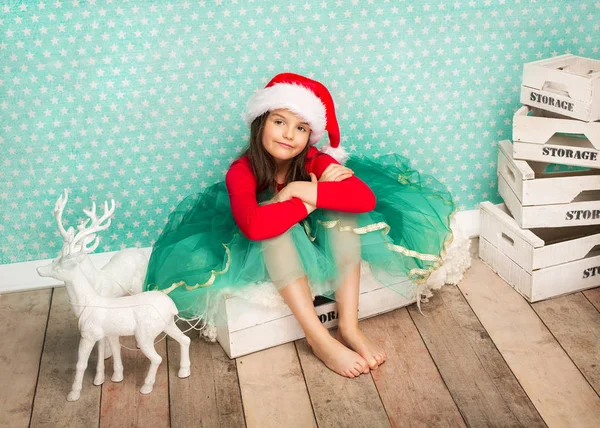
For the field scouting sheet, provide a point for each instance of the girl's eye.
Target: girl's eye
(278, 122)
(302, 128)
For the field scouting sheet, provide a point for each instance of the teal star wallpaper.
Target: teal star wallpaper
(143, 101)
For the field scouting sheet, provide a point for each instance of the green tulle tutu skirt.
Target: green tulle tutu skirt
(201, 253)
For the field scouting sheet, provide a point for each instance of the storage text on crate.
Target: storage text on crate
(593, 271)
(556, 152)
(551, 101)
(329, 316)
(582, 215)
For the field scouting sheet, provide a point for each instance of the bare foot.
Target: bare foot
(356, 340)
(337, 357)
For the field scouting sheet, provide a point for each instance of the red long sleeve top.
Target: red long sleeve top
(268, 221)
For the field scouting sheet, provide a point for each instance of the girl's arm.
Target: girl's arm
(259, 222)
(350, 195)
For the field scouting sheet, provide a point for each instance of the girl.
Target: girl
(294, 216)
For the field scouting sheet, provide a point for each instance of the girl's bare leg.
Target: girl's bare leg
(335, 355)
(348, 332)
(346, 247)
(283, 264)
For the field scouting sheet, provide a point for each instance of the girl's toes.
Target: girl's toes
(373, 363)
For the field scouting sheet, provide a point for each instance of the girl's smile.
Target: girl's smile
(285, 135)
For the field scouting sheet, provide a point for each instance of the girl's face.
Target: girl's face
(285, 135)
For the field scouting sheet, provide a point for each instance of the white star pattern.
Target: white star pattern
(143, 103)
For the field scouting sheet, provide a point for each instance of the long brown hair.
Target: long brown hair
(262, 163)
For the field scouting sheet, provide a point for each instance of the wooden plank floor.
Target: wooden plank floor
(477, 355)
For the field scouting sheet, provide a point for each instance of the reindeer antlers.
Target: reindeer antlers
(58, 210)
(78, 242)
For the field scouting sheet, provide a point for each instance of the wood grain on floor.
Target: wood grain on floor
(475, 373)
(122, 402)
(561, 394)
(57, 371)
(409, 383)
(23, 319)
(575, 323)
(273, 389)
(477, 355)
(211, 396)
(340, 401)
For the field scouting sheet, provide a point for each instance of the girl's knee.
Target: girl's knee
(282, 259)
(284, 239)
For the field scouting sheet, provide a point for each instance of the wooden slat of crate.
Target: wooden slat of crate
(568, 85)
(535, 269)
(273, 389)
(23, 319)
(556, 387)
(211, 396)
(561, 149)
(581, 213)
(409, 384)
(122, 402)
(340, 401)
(538, 248)
(532, 186)
(577, 75)
(57, 371)
(543, 283)
(480, 382)
(536, 126)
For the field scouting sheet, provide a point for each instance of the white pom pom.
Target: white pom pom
(339, 154)
(456, 262)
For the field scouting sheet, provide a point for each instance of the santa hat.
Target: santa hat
(308, 99)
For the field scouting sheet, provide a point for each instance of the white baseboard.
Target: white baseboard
(15, 277)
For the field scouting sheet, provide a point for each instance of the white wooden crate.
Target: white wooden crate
(249, 327)
(539, 263)
(539, 135)
(566, 84)
(538, 199)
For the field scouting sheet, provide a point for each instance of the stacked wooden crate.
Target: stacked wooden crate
(545, 240)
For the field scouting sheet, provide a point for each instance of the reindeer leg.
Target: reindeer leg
(147, 347)
(85, 348)
(107, 350)
(117, 362)
(184, 343)
(99, 379)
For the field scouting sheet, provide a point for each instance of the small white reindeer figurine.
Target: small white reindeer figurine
(143, 315)
(123, 275)
(125, 272)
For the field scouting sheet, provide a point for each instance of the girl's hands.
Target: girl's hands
(286, 193)
(292, 190)
(335, 172)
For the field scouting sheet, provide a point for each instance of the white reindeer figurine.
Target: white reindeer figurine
(125, 272)
(143, 315)
(123, 275)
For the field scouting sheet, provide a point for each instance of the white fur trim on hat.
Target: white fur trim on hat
(338, 153)
(295, 98)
